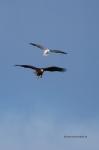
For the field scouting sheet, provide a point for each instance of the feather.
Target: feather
(27, 66)
(54, 68)
(38, 45)
(58, 51)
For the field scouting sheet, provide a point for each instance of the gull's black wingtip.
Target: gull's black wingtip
(16, 65)
(65, 53)
(30, 43)
(33, 44)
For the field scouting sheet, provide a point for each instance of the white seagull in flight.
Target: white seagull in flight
(47, 50)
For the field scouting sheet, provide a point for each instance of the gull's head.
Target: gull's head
(46, 52)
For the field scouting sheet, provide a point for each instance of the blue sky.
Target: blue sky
(38, 113)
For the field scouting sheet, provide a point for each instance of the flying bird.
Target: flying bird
(47, 50)
(39, 71)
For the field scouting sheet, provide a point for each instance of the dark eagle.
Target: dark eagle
(39, 71)
(47, 50)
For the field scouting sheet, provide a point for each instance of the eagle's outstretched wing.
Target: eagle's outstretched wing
(27, 66)
(54, 68)
(58, 51)
(38, 45)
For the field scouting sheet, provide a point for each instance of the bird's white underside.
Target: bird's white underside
(46, 52)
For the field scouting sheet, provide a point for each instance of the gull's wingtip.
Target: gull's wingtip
(16, 65)
(65, 53)
(30, 43)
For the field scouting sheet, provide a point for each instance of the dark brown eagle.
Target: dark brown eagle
(39, 71)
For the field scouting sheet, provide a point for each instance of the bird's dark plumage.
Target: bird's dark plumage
(40, 71)
(27, 66)
(54, 68)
